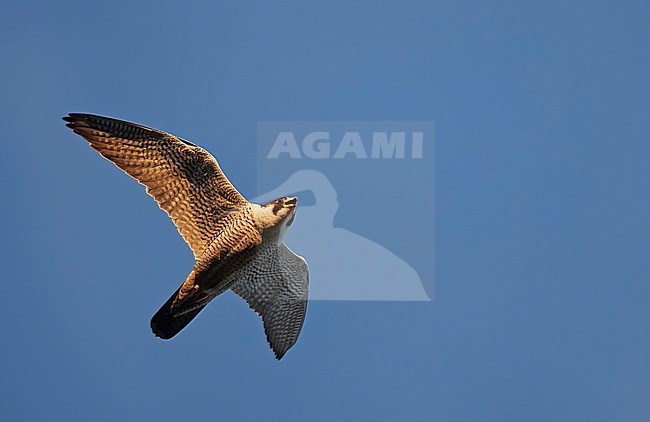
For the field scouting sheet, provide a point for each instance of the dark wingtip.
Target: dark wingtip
(74, 117)
(75, 120)
(111, 126)
(71, 121)
(280, 352)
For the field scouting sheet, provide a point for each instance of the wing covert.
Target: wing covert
(184, 179)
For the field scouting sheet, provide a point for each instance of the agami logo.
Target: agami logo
(365, 220)
(318, 145)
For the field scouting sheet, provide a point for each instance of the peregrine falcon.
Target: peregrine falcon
(237, 245)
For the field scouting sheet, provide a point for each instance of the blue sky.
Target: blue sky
(542, 181)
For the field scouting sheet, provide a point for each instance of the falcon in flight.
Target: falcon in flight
(237, 245)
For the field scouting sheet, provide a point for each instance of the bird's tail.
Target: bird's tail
(166, 324)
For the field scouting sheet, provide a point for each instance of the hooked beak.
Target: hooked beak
(292, 202)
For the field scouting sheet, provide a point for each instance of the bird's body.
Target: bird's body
(237, 244)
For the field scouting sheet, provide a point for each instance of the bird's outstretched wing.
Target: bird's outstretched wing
(184, 179)
(276, 288)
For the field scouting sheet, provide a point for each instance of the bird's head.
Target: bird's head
(277, 215)
(284, 209)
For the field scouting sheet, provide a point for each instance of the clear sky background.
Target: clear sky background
(542, 182)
